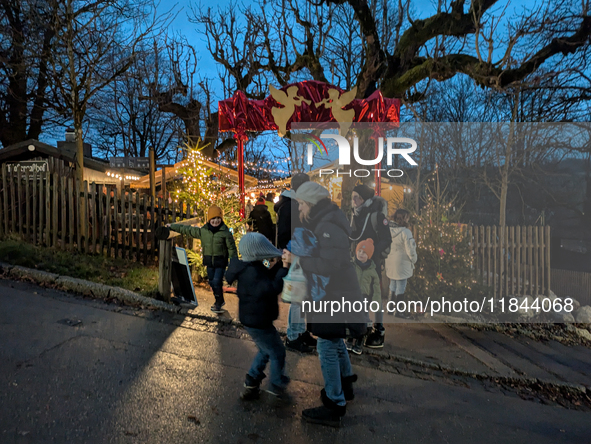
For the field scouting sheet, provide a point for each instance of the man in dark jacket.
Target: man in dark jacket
(258, 291)
(287, 220)
(370, 221)
(260, 220)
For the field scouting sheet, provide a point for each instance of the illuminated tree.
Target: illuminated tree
(203, 186)
(445, 264)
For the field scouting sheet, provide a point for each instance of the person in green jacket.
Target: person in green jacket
(369, 282)
(218, 247)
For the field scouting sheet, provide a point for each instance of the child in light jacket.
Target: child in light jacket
(400, 263)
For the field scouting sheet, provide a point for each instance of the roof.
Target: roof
(20, 151)
(172, 171)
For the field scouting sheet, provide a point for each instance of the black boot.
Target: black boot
(347, 384)
(376, 337)
(328, 414)
(252, 388)
(405, 315)
(308, 339)
(391, 306)
(298, 345)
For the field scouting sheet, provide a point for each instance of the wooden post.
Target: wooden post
(71, 213)
(27, 206)
(54, 210)
(145, 213)
(137, 227)
(92, 217)
(130, 221)
(5, 196)
(42, 208)
(164, 269)
(19, 202)
(108, 221)
(12, 203)
(85, 221)
(102, 225)
(63, 208)
(78, 209)
(152, 172)
(34, 204)
(116, 202)
(48, 208)
(548, 267)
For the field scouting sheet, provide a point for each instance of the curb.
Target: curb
(96, 290)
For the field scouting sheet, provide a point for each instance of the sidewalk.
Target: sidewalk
(83, 370)
(460, 348)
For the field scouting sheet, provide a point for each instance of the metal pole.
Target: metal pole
(163, 183)
(378, 178)
(240, 144)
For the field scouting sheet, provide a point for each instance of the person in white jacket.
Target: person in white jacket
(400, 263)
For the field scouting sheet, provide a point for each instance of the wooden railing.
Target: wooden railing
(52, 210)
(514, 261)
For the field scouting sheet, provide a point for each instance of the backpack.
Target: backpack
(373, 217)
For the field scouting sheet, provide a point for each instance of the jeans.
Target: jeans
(270, 348)
(216, 276)
(296, 324)
(398, 286)
(335, 364)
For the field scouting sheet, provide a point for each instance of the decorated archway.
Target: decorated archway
(302, 102)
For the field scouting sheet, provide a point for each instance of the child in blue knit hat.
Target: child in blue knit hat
(258, 291)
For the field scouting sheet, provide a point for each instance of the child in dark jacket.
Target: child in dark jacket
(217, 245)
(258, 290)
(369, 282)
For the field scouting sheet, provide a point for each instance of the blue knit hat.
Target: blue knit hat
(256, 247)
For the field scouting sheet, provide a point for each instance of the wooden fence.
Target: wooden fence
(576, 284)
(43, 208)
(513, 262)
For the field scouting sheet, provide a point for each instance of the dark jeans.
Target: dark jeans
(270, 348)
(216, 276)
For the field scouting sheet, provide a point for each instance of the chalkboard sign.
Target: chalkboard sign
(182, 283)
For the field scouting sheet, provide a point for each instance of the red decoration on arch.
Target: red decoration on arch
(240, 115)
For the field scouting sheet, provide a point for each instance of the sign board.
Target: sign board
(32, 166)
(130, 162)
(182, 283)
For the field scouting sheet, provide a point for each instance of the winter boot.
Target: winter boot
(376, 337)
(298, 345)
(347, 384)
(252, 388)
(357, 347)
(349, 343)
(328, 414)
(391, 307)
(280, 395)
(403, 315)
(309, 340)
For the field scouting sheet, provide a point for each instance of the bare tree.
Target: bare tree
(96, 44)
(26, 42)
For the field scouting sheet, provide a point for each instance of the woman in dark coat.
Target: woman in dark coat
(331, 228)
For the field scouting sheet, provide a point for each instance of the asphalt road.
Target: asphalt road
(81, 371)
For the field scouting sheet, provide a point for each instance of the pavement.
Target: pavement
(80, 370)
(460, 348)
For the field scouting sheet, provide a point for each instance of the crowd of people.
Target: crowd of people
(368, 257)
